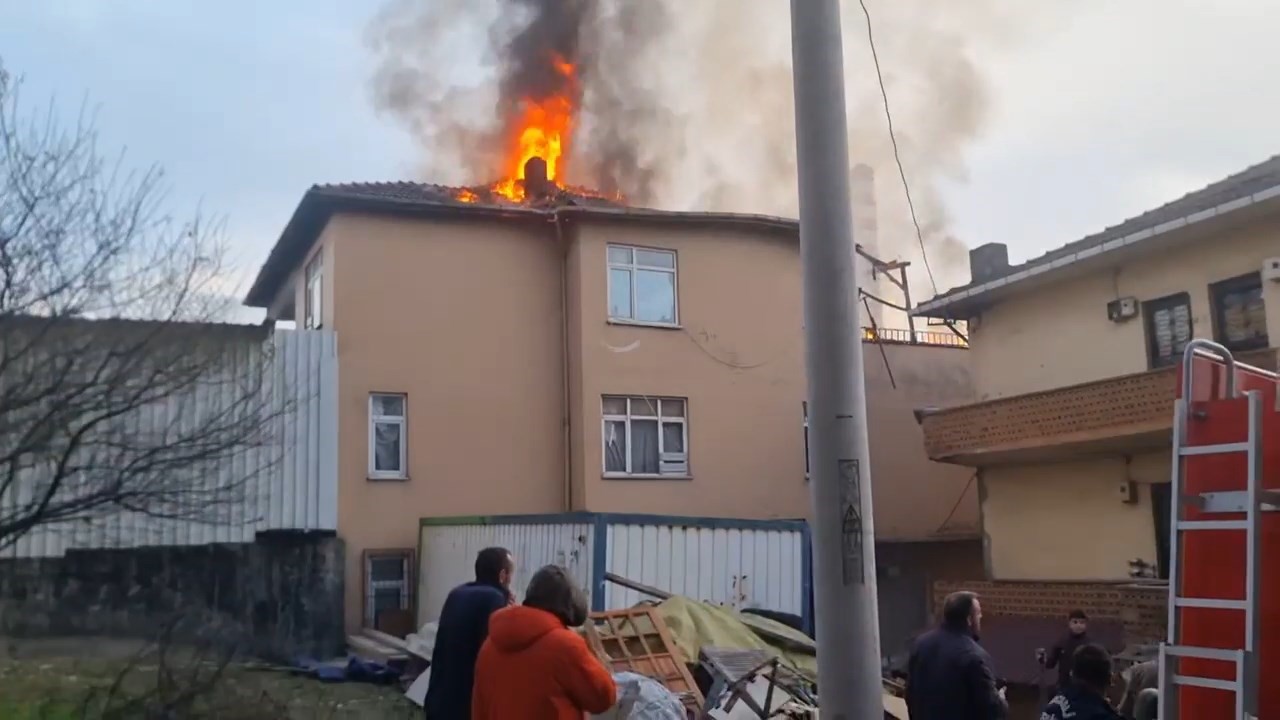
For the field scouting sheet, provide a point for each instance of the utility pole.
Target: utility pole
(849, 685)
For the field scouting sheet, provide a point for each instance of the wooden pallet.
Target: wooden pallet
(637, 640)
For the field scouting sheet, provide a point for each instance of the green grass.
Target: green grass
(57, 688)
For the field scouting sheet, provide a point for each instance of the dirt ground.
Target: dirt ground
(78, 679)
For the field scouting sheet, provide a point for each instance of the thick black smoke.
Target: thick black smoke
(688, 105)
(427, 49)
(530, 59)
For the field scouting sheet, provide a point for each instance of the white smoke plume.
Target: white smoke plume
(688, 106)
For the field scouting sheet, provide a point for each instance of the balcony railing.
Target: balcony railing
(1124, 413)
(921, 337)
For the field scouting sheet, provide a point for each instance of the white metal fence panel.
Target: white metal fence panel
(288, 484)
(448, 555)
(741, 568)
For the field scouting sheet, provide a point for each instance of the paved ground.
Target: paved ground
(65, 679)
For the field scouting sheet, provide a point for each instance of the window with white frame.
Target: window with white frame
(642, 285)
(1169, 328)
(387, 586)
(645, 436)
(313, 315)
(387, 458)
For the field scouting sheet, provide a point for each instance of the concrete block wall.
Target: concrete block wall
(277, 597)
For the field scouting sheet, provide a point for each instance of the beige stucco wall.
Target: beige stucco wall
(914, 497)
(1059, 334)
(1066, 521)
(464, 318)
(738, 358)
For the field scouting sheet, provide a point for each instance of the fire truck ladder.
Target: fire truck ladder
(1249, 501)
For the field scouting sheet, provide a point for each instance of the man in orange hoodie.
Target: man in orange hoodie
(532, 666)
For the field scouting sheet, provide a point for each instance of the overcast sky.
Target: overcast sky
(246, 104)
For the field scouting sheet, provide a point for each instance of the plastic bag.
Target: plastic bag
(643, 698)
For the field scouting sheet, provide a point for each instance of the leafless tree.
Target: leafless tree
(118, 394)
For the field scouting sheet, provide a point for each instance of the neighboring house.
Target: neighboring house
(586, 357)
(1075, 356)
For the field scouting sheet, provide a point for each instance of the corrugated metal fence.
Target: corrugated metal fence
(740, 563)
(289, 483)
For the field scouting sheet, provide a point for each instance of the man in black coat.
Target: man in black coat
(463, 627)
(949, 675)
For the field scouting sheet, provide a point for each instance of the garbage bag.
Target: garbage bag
(642, 698)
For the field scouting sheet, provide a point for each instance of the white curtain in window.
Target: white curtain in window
(615, 446)
(387, 447)
(644, 447)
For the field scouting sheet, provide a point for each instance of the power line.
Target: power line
(893, 139)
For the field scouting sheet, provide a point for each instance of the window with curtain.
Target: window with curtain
(1239, 312)
(387, 454)
(642, 285)
(645, 436)
(1168, 325)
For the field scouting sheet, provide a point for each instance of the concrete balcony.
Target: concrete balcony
(1121, 414)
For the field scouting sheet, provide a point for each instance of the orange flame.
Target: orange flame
(543, 129)
(467, 196)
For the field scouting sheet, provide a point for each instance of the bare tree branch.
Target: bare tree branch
(118, 393)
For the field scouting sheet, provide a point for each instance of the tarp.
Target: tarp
(353, 670)
(694, 625)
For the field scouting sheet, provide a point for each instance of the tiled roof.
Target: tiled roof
(481, 204)
(445, 195)
(1243, 184)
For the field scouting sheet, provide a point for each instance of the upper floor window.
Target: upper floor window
(1168, 326)
(642, 285)
(387, 456)
(645, 436)
(1239, 313)
(312, 316)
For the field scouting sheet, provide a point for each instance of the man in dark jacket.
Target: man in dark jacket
(1085, 697)
(949, 675)
(1061, 654)
(463, 627)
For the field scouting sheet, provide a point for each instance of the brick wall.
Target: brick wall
(1140, 608)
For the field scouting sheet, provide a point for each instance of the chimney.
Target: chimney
(988, 262)
(862, 191)
(536, 184)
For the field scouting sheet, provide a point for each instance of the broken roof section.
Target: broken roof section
(425, 200)
(1246, 188)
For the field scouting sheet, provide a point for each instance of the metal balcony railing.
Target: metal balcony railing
(921, 337)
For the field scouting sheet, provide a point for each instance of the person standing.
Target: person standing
(1062, 654)
(463, 627)
(533, 667)
(1138, 679)
(949, 675)
(1085, 697)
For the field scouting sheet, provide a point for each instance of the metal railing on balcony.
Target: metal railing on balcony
(906, 337)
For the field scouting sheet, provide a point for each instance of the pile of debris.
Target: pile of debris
(673, 658)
